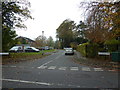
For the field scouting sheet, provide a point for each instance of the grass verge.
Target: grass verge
(18, 57)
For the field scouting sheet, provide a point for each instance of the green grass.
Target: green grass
(48, 50)
(29, 53)
(16, 57)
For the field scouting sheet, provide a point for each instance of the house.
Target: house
(24, 46)
(25, 40)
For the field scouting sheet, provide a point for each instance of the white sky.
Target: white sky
(49, 14)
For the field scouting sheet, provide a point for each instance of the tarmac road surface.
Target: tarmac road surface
(56, 71)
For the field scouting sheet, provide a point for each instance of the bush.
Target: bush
(92, 50)
(112, 45)
(82, 48)
(112, 42)
(88, 50)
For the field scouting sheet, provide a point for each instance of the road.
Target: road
(56, 71)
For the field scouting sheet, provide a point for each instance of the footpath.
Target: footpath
(95, 62)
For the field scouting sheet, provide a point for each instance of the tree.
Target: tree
(13, 14)
(102, 21)
(40, 41)
(116, 19)
(57, 44)
(79, 33)
(65, 33)
(73, 45)
(50, 42)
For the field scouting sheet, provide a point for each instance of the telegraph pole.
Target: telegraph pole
(42, 41)
(42, 34)
(42, 37)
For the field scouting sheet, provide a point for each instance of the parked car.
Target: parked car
(44, 48)
(47, 48)
(69, 51)
(16, 49)
(31, 49)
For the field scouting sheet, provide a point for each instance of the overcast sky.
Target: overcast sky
(49, 14)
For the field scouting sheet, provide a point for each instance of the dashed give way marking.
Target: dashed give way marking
(62, 68)
(74, 68)
(52, 67)
(98, 69)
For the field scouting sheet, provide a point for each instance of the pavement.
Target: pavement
(57, 71)
(95, 62)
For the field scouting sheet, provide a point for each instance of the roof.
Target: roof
(25, 38)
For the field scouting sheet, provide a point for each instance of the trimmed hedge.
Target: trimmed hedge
(82, 48)
(88, 50)
(91, 49)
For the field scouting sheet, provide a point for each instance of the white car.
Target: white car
(16, 49)
(69, 51)
(31, 49)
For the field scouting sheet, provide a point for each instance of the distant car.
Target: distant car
(31, 49)
(69, 51)
(47, 48)
(41, 48)
(16, 49)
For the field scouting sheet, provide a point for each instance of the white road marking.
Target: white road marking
(5, 66)
(39, 83)
(52, 67)
(62, 68)
(74, 68)
(98, 69)
(111, 70)
(49, 61)
(85, 69)
(74, 86)
(42, 67)
(32, 82)
(44, 64)
(12, 66)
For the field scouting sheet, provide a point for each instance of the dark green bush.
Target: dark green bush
(92, 50)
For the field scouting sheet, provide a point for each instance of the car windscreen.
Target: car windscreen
(34, 48)
(68, 49)
(14, 48)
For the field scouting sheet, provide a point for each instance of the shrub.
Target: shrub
(92, 50)
(82, 48)
(112, 42)
(112, 45)
(88, 49)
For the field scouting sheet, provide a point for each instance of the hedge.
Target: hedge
(88, 50)
(82, 48)
(92, 49)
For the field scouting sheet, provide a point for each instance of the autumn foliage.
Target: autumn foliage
(103, 21)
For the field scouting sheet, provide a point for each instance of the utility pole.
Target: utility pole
(42, 37)
(42, 34)
(42, 41)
